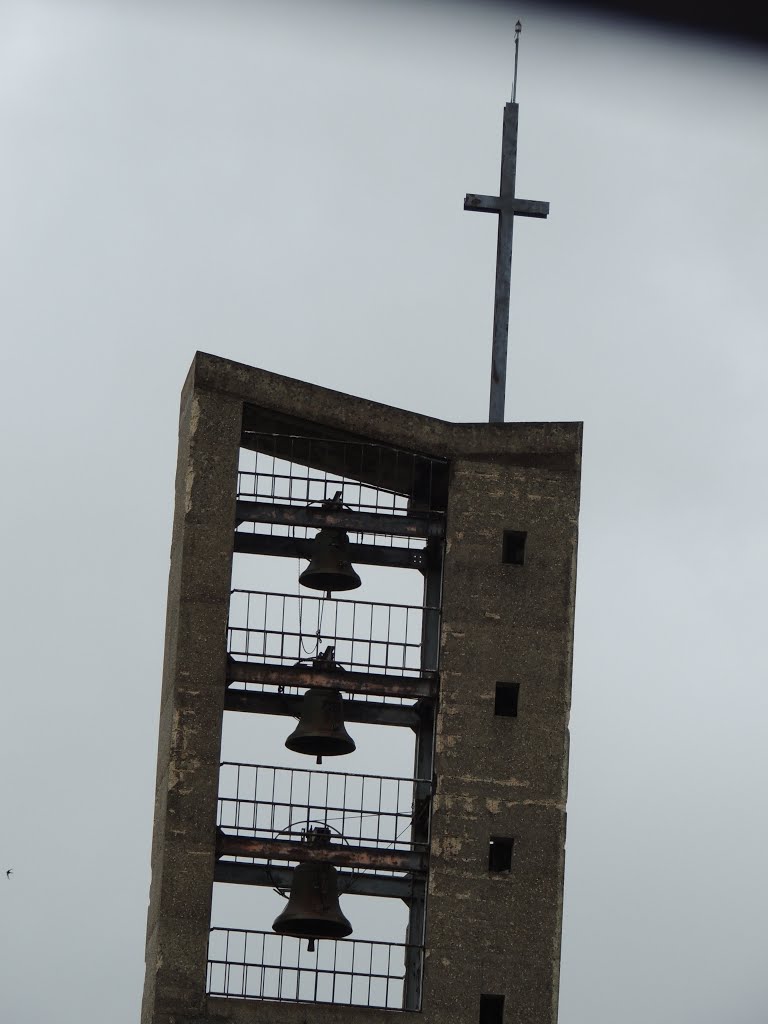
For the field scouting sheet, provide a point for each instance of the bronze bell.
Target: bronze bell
(321, 730)
(313, 910)
(330, 568)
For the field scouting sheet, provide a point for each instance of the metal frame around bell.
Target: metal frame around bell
(420, 717)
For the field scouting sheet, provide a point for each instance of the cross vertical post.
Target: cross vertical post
(503, 266)
(507, 207)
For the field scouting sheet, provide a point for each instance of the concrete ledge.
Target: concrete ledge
(373, 421)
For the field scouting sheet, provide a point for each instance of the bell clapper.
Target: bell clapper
(310, 945)
(319, 759)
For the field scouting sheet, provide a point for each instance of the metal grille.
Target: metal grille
(353, 972)
(300, 471)
(369, 636)
(363, 810)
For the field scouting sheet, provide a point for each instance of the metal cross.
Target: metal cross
(507, 207)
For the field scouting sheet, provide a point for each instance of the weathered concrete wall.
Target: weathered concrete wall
(502, 776)
(486, 933)
(191, 705)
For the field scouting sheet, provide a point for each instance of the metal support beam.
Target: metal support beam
(351, 883)
(298, 547)
(424, 767)
(369, 857)
(317, 517)
(259, 702)
(424, 686)
(433, 592)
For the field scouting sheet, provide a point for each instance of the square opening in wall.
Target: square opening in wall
(505, 704)
(513, 547)
(491, 1009)
(500, 853)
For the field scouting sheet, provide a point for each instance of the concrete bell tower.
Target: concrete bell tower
(493, 509)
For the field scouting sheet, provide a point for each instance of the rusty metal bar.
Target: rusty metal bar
(351, 682)
(369, 857)
(350, 882)
(368, 712)
(297, 547)
(358, 522)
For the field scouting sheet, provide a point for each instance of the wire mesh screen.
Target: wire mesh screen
(369, 636)
(363, 810)
(263, 965)
(301, 471)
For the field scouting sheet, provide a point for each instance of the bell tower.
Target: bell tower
(363, 749)
(466, 835)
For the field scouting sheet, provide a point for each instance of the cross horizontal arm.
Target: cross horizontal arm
(495, 204)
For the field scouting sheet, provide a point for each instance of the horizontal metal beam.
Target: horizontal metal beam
(259, 702)
(370, 857)
(298, 547)
(350, 883)
(424, 686)
(317, 517)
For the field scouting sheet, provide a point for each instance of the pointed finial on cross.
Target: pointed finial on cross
(518, 30)
(507, 207)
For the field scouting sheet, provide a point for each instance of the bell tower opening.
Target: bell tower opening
(513, 547)
(505, 704)
(500, 854)
(491, 1009)
(333, 632)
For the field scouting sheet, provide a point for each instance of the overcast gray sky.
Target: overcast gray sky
(282, 184)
